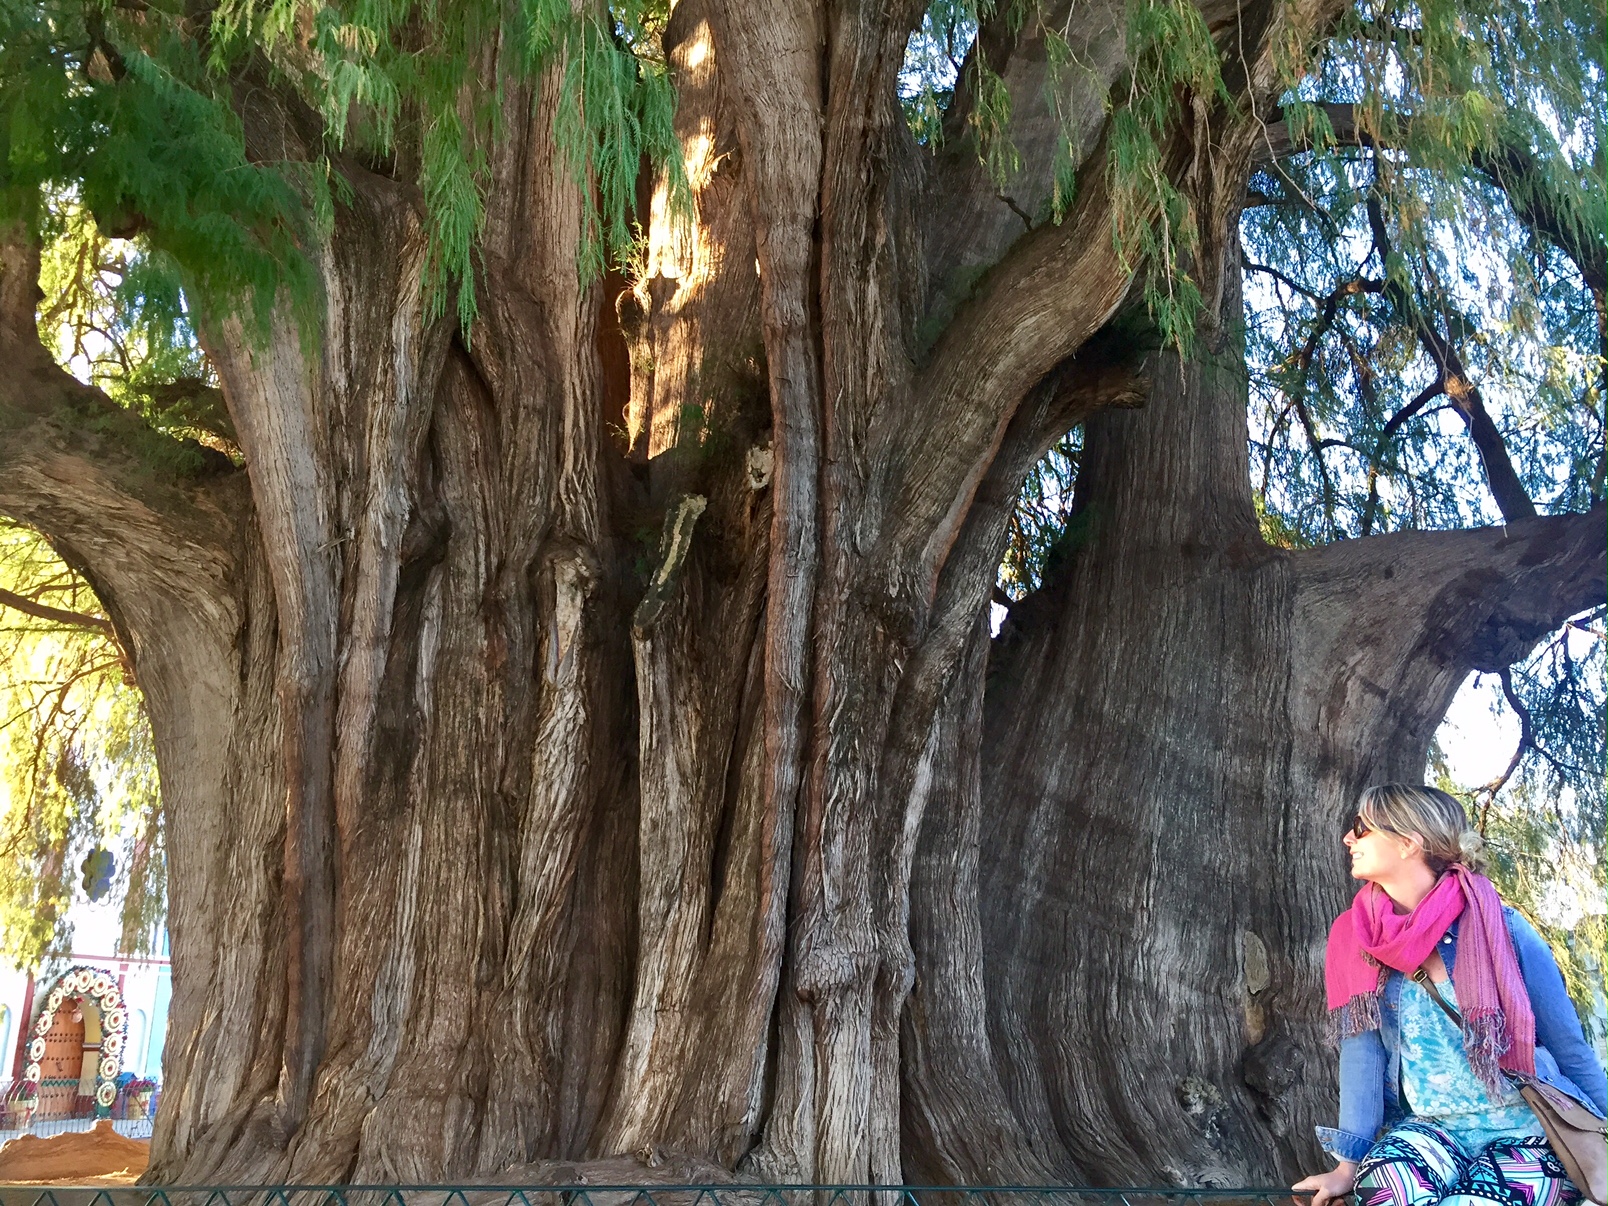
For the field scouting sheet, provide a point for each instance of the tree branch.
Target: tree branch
(150, 519)
(1033, 305)
(1526, 743)
(1508, 165)
(1052, 292)
(1433, 390)
(1453, 379)
(1486, 596)
(1600, 475)
(1325, 322)
(1249, 265)
(1513, 169)
(1511, 497)
(43, 611)
(1380, 31)
(1280, 142)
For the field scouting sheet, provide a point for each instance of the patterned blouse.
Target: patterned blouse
(1441, 1086)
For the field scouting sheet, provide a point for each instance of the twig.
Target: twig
(1526, 742)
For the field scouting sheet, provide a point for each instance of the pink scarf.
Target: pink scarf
(1370, 937)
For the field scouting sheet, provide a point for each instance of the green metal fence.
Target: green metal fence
(636, 1195)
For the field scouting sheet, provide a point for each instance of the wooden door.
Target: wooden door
(63, 1065)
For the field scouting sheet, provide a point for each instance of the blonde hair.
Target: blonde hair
(1429, 814)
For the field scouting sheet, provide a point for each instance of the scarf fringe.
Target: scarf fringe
(1486, 1039)
(1357, 1015)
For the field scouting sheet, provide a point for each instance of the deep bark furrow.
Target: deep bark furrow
(387, 414)
(959, 1125)
(690, 674)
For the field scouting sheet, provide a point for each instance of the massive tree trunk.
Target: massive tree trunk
(575, 738)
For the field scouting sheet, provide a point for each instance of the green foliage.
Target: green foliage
(79, 767)
(1469, 202)
(118, 323)
(990, 119)
(1042, 523)
(1171, 55)
(129, 109)
(386, 89)
(117, 107)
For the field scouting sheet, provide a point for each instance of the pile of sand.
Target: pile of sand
(100, 1157)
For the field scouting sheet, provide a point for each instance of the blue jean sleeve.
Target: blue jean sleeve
(1343, 1145)
(1362, 1097)
(1557, 1025)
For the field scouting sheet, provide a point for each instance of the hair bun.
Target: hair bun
(1471, 849)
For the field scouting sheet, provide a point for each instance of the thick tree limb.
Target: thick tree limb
(1106, 374)
(275, 403)
(1492, 592)
(1058, 284)
(1390, 626)
(86, 472)
(1056, 288)
(157, 527)
(1280, 142)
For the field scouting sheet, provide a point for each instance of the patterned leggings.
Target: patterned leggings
(1418, 1164)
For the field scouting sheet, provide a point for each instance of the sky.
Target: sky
(1477, 742)
(1478, 738)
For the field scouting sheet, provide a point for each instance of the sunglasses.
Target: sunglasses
(1359, 828)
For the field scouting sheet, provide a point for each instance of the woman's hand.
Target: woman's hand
(1325, 1187)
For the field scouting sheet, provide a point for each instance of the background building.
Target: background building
(107, 1023)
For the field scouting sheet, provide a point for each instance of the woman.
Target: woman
(1455, 1130)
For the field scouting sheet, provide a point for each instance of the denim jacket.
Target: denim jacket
(1370, 1062)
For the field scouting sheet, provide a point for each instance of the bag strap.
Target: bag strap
(1421, 976)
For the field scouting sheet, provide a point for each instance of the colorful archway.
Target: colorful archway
(100, 988)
